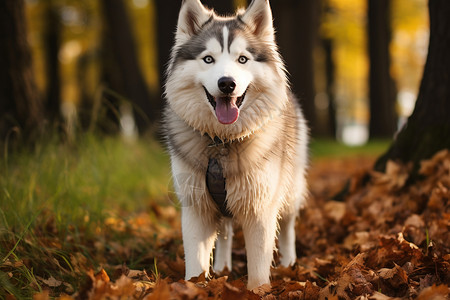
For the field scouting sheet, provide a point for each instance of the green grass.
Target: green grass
(54, 202)
(77, 182)
(320, 148)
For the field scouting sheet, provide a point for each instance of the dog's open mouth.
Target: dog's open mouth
(226, 107)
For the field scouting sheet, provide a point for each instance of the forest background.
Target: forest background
(81, 51)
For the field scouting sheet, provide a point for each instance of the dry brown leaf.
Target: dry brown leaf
(357, 260)
(440, 292)
(429, 167)
(177, 266)
(144, 286)
(51, 282)
(102, 276)
(231, 292)
(187, 290)
(335, 210)
(123, 286)
(285, 272)
(161, 291)
(65, 297)
(14, 264)
(262, 290)
(359, 285)
(380, 296)
(361, 239)
(311, 290)
(293, 286)
(395, 176)
(396, 277)
(415, 220)
(334, 290)
(44, 295)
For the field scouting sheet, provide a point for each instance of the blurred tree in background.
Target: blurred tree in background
(328, 126)
(382, 92)
(121, 72)
(428, 128)
(52, 40)
(296, 23)
(167, 16)
(20, 103)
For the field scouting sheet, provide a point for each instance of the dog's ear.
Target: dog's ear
(259, 17)
(191, 18)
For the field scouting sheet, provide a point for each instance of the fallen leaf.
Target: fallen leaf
(161, 291)
(231, 292)
(187, 290)
(440, 292)
(52, 282)
(44, 295)
(395, 277)
(335, 210)
(380, 296)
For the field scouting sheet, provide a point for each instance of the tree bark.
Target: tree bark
(20, 104)
(330, 71)
(296, 23)
(382, 92)
(121, 72)
(167, 16)
(52, 42)
(428, 128)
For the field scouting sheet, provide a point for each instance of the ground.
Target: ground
(363, 235)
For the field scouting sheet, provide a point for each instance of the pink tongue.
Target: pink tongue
(227, 111)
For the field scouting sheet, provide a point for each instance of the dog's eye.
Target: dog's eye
(242, 59)
(208, 59)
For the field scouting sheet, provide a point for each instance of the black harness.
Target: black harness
(215, 182)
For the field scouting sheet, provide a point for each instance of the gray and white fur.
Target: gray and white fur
(228, 101)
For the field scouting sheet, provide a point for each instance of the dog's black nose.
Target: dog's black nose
(226, 85)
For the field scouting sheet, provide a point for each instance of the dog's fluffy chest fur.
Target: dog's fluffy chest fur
(256, 168)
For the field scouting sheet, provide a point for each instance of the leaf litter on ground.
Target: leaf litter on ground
(363, 235)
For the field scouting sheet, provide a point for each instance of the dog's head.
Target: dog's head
(225, 77)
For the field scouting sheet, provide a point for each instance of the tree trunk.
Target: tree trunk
(428, 128)
(121, 71)
(296, 23)
(20, 105)
(330, 71)
(382, 92)
(167, 16)
(52, 42)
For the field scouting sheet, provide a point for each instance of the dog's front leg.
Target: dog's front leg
(222, 257)
(259, 242)
(199, 234)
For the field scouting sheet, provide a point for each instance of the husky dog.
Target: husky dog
(237, 139)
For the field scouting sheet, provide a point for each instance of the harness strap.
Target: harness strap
(215, 182)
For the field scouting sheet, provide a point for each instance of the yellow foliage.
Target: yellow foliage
(345, 23)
